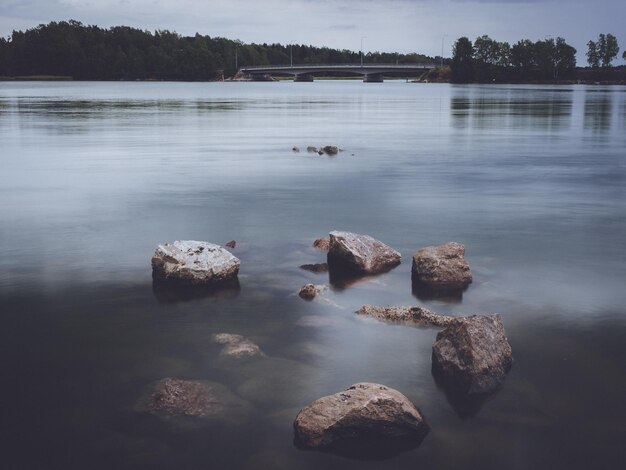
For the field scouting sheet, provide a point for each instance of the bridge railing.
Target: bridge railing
(338, 66)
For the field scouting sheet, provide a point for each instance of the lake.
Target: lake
(531, 179)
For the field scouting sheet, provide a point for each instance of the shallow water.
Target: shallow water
(532, 179)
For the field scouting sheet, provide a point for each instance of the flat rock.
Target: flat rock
(362, 411)
(405, 315)
(237, 346)
(442, 266)
(472, 354)
(360, 253)
(194, 263)
(315, 268)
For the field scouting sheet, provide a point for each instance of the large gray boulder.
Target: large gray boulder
(364, 410)
(442, 266)
(472, 354)
(194, 263)
(360, 253)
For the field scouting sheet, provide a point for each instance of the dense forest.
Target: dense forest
(122, 53)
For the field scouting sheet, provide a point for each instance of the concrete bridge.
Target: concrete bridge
(372, 73)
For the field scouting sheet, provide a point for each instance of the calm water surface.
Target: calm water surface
(93, 176)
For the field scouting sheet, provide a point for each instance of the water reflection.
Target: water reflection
(167, 293)
(598, 111)
(487, 108)
(427, 293)
(371, 448)
(465, 405)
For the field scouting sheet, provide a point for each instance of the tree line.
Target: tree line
(86, 52)
(488, 60)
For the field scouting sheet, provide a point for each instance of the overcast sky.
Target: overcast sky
(389, 25)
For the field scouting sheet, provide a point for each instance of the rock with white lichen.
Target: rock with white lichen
(192, 262)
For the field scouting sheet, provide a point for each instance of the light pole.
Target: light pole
(237, 44)
(291, 54)
(442, 38)
(362, 37)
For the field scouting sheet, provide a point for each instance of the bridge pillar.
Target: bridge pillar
(303, 77)
(372, 78)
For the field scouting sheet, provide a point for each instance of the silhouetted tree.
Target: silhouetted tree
(462, 61)
(603, 51)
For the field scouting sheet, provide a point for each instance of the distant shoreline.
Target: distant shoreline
(52, 78)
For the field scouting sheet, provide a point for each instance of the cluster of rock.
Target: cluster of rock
(329, 150)
(471, 354)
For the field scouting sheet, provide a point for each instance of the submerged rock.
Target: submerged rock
(231, 244)
(237, 346)
(189, 403)
(194, 263)
(322, 244)
(315, 268)
(184, 397)
(472, 354)
(442, 266)
(296, 149)
(364, 411)
(360, 253)
(406, 315)
(311, 149)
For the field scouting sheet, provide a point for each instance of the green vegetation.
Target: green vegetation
(123, 53)
(487, 60)
(603, 51)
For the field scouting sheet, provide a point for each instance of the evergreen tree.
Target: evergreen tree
(462, 61)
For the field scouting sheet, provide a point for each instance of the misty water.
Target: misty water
(532, 179)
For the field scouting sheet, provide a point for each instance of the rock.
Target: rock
(363, 411)
(406, 315)
(308, 292)
(237, 346)
(193, 262)
(442, 266)
(231, 244)
(360, 253)
(472, 354)
(320, 152)
(330, 150)
(296, 149)
(311, 149)
(186, 404)
(184, 397)
(315, 268)
(322, 244)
